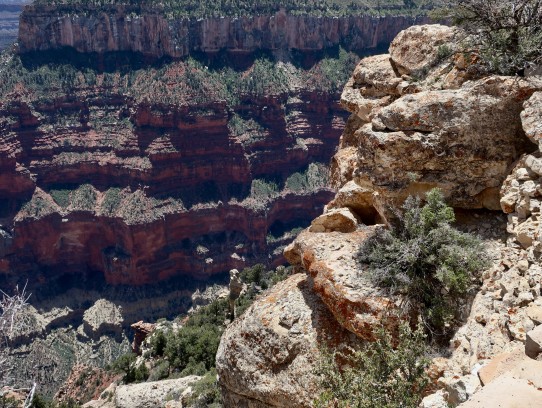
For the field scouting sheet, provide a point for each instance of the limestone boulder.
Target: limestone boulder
(154, 394)
(415, 50)
(376, 75)
(267, 356)
(358, 199)
(340, 280)
(531, 117)
(339, 219)
(462, 141)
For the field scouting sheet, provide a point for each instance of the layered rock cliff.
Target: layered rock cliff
(422, 117)
(143, 192)
(148, 31)
(150, 172)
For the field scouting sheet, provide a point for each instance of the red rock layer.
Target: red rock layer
(190, 174)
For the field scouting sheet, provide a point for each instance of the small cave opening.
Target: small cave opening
(368, 215)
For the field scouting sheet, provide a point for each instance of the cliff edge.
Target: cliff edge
(422, 117)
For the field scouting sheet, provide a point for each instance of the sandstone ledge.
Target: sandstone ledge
(331, 259)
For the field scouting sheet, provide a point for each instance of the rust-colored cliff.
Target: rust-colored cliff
(151, 191)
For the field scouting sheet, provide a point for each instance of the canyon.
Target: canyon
(141, 159)
(143, 179)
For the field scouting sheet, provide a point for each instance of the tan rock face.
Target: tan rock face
(341, 219)
(267, 356)
(154, 394)
(531, 117)
(411, 136)
(416, 49)
(339, 279)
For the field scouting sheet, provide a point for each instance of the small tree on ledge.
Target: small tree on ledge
(506, 33)
(428, 262)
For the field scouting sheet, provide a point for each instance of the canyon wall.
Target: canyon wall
(166, 189)
(149, 32)
(150, 174)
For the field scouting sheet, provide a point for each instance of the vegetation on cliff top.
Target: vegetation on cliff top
(187, 82)
(238, 8)
(388, 373)
(432, 265)
(505, 33)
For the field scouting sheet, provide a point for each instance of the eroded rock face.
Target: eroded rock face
(114, 29)
(415, 50)
(331, 259)
(267, 357)
(102, 317)
(412, 135)
(164, 199)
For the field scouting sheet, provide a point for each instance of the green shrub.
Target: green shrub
(158, 343)
(253, 274)
(385, 374)
(426, 260)
(84, 198)
(206, 393)
(261, 189)
(132, 373)
(192, 349)
(111, 201)
(506, 33)
(61, 197)
(160, 372)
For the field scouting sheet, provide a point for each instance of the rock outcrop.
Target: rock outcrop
(148, 31)
(267, 357)
(461, 138)
(422, 119)
(154, 394)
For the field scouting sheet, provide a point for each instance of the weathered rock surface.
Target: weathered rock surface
(267, 356)
(151, 394)
(421, 135)
(141, 331)
(415, 50)
(154, 394)
(339, 280)
(102, 317)
(421, 120)
(531, 117)
(341, 220)
(151, 33)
